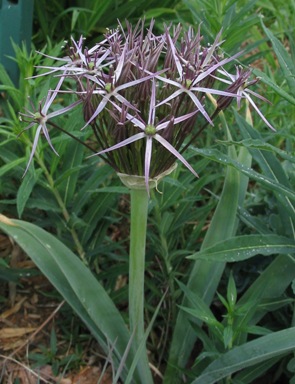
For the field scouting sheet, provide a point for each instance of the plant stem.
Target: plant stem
(63, 208)
(139, 211)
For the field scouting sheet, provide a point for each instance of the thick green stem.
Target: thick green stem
(139, 210)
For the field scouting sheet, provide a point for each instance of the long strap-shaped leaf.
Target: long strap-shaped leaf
(240, 248)
(264, 180)
(284, 58)
(205, 275)
(249, 354)
(74, 281)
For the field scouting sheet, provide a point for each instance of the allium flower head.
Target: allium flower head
(144, 94)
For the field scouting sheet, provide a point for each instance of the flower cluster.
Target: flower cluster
(144, 94)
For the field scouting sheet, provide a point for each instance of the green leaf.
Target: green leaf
(248, 375)
(156, 12)
(272, 169)
(266, 347)
(15, 274)
(198, 308)
(112, 189)
(7, 167)
(96, 213)
(74, 281)
(284, 58)
(265, 79)
(72, 161)
(205, 274)
(261, 145)
(25, 189)
(266, 181)
(271, 283)
(243, 247)
(231, 293)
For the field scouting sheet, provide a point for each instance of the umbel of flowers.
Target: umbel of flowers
(145, 95)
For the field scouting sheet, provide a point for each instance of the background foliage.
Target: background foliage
(82, 202)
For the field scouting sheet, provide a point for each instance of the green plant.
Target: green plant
(90, 18)
(51, 355)
(227, 322)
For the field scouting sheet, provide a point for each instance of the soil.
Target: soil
(30, 309)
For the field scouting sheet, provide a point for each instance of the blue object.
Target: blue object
(16, 18)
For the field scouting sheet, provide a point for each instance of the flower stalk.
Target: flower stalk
(139, 214)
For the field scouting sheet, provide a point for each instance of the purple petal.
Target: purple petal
(175, 94)
(174, 54)
(213, 91)
(66, 59)
(79, 50)
(174, 152)
(212, 49)
(258, 111)
(152, 110)
(43, 74)
(46, 134)
(120, 65)
(257, 95)
(134, 82)
(176, 120)
(64, 110)
(51, 96)
(200, 106)
(214, 67)
(147, 160)
(100, 107)
(34, 146)
(125, 102)
(123, 143)
(131, 118)
(223, 72)
(169, 81)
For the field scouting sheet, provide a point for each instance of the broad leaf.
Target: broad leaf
(74, 281)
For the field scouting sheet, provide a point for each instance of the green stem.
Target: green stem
(139, 211)
(63, 208)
